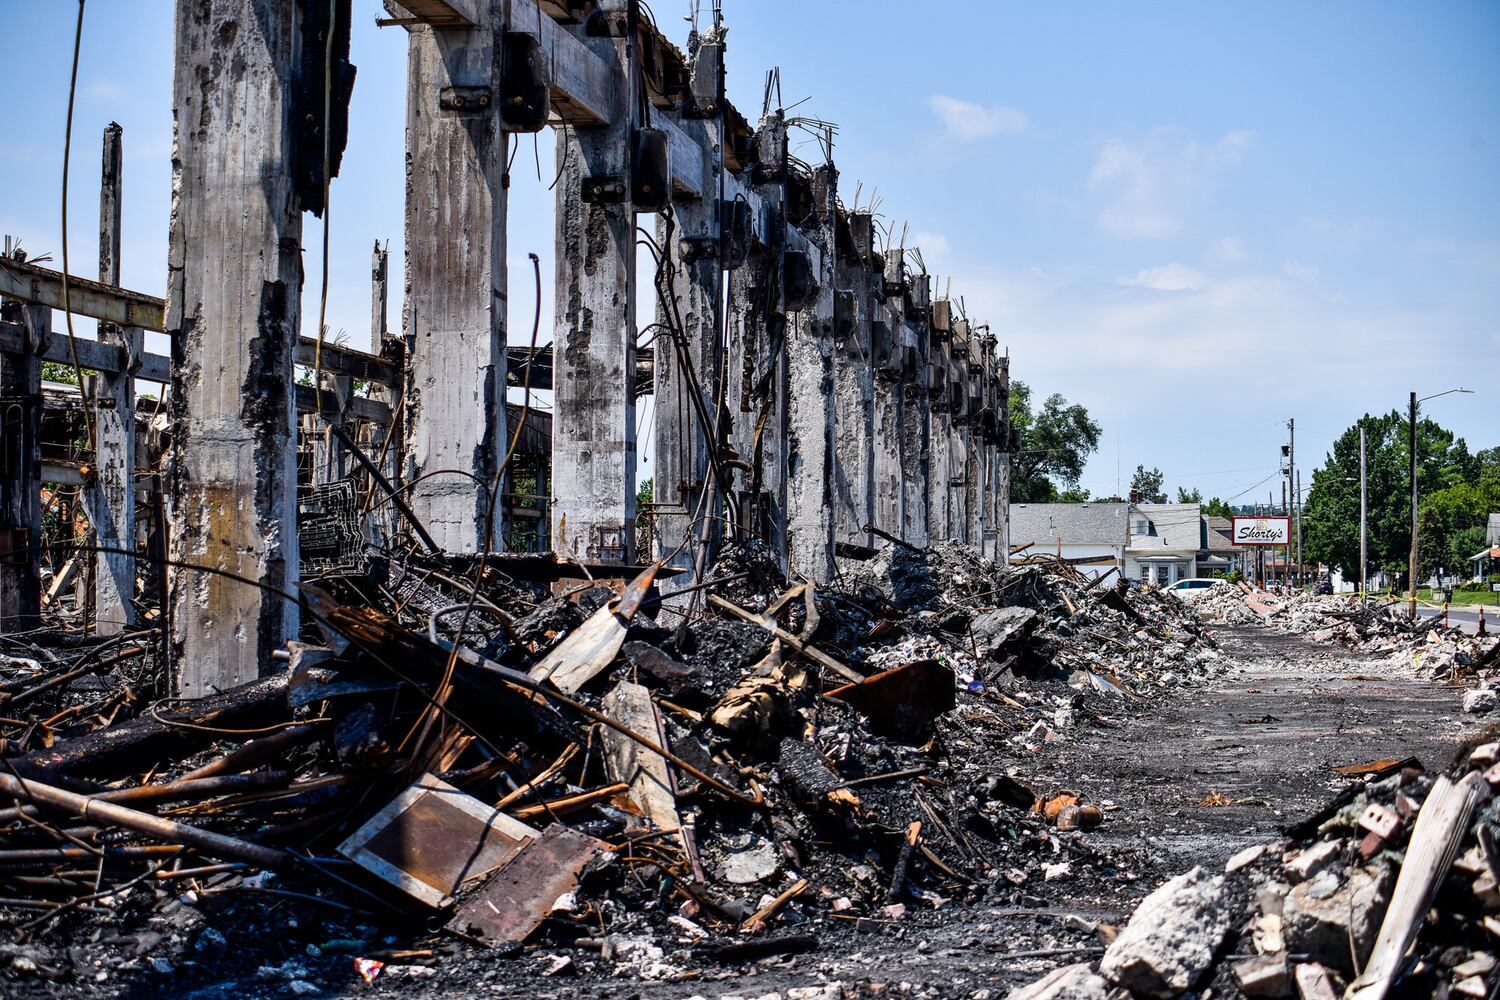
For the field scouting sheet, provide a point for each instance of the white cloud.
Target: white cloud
(1294, 269)
(1228, 250)
(1167, 278)
(1150, 184)
(967, 121)
(934, 246)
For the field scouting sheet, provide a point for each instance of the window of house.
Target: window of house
(1140, 527)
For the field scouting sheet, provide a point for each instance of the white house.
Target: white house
(1091, 535)
(1164, 542)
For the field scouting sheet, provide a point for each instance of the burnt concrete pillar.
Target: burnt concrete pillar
(854, 385)
(688, 373)
(233, 292)
(454, 315)
(885, 339)
(21, 468)
(939, 503)
(593, 347)
(109, 495)
(810, 396)
(755, 369)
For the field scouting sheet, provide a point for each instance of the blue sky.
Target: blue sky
(1196, 219)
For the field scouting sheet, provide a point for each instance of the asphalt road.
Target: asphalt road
(1468, 618)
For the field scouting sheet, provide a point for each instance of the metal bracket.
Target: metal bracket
(606, 189)
(695, 248)
(464, 100)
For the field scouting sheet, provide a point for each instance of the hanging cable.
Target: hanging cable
(67, 305)
(327, 139)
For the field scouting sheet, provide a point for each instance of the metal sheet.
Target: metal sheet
(519, 896)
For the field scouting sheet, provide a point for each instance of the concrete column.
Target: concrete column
(754, 367)
(686, 396)
(940, 526)
(1002, 459)
(233, 291)
(593, 347)
(810, 399)
(454, 317)
(21, 469)
(989, 443)
(109, 497)
(973, 434)
(331, 460)
(914, 434)
(854, 386)
(385, 519)
(959, 454)
(885, 337)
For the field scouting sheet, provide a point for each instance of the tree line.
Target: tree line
(1457, 491)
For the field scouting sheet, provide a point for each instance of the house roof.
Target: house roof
(1043, 524)
(1218, 533)
(1176, 526)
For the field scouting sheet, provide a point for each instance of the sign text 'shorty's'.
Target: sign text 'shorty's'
(1261, 530)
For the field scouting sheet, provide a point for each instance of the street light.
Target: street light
(1411, 569)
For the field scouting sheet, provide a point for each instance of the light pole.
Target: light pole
(1411, 569)
(1364, 513)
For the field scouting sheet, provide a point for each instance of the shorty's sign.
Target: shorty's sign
(1262, 530)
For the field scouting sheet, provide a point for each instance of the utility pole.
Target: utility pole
(1297, 499)
(1291, 480)
(1286, 550)
(1364, 513)
(1411, 569)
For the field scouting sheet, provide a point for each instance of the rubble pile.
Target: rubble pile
(459, 758)
(1424, 645)
(1388, 890)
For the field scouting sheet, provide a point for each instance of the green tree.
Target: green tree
(1148, 485)
(1464, 543)
(1331, 518)
(1056, 442)
(1185, 496)
(645, 520)
(1217, 508)
(1073, 494)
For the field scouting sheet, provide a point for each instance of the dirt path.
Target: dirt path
(1264, 735)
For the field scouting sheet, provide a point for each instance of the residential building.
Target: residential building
(1217, 554)
(1488, 558)
(1164, 542)
(1092, 536)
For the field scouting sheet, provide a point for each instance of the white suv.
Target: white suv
(1188, 589)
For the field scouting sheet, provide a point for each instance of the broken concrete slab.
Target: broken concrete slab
(1264, 976)
(994, 630)
(1071, 982)
(1172, 938)
(1326, 917)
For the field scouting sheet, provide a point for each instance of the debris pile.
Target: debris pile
(1424, 644)
(623, 778)
(1389, 890)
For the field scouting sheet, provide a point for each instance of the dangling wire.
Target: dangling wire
(327, 140)
(83, 388)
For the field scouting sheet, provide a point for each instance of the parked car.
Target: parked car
(1189, 589)
(1323, 587)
